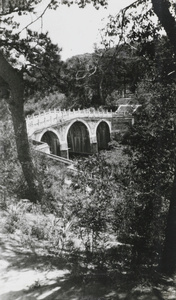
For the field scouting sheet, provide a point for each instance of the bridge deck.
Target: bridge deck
(51, 118)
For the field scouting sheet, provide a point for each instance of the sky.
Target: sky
(76, 30)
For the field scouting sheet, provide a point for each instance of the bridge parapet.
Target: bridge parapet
(54, 117)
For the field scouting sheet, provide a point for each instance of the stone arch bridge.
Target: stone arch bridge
(69, 133)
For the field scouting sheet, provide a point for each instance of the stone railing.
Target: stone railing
(126, 110)
(54, 117)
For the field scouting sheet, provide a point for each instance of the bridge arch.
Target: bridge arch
(103, 135)
(78, 138)
(50, 136)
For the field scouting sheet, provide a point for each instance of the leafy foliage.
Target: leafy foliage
(152, 163)
(37, 103)
(92, 78)
(130, 26)
(36, 58)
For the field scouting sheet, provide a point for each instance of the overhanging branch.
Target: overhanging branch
(161, 9)
(85, 75)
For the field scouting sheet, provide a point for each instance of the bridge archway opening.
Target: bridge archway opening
(103, 136)
(52, 140)
(78, 140)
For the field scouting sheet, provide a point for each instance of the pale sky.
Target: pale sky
(76, 30)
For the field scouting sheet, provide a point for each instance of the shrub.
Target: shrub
(13, 217)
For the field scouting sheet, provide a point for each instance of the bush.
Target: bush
(12, 220)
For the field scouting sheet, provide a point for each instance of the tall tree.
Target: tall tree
(16, 105)
(19, 60)
(13, 77)
(142, 29)
(162, 10)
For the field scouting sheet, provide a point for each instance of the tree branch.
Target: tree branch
(161, 9)
(85, 75)
(39, 17)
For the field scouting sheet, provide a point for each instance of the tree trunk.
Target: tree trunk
(24, 154)
(161, 9)
(16, 105)
(168, 262)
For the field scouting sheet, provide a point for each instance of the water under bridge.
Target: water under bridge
(68, 133)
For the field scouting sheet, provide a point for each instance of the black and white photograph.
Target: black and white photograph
(87, 150)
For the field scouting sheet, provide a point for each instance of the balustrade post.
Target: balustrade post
(33, 118)
(69, 113)
(62, 115)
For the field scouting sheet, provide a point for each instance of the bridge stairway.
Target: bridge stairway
(58, 159)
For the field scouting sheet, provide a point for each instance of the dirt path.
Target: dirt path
(25, 274)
